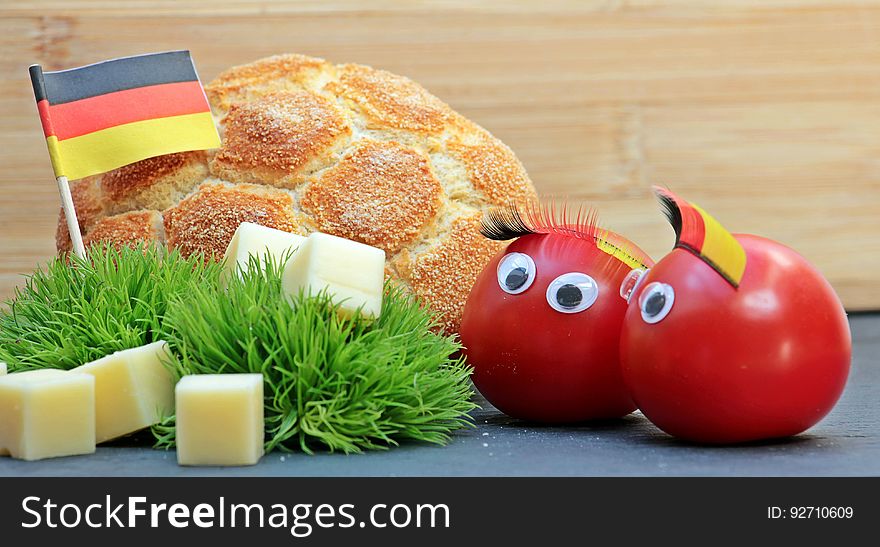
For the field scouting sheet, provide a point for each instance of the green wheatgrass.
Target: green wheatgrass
(331, 382)
(75, 310)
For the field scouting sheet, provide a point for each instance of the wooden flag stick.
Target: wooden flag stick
(70, 215)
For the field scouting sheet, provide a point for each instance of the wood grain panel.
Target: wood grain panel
(767, 113)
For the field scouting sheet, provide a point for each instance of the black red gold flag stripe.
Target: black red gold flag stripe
(699, 233)
(106, 115)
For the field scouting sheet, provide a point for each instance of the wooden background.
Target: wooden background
(765, 112)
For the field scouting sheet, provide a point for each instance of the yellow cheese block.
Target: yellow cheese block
(133, 390)
(259, 241)
(352, 273)
(46, 414)
(220, 419)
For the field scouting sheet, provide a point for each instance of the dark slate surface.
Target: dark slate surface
(846, 442)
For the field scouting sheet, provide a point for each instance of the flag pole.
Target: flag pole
(70, 215)
(39, 84)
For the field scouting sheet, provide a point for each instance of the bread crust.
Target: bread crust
(444, 273)
(206, 221)
(390, 101)
(154, 183)
(279, 138)
(127, 229)
(381, 194)
(90, 208)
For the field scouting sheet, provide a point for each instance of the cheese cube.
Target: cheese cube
(352, 273)
(46, 414)
(133, 390)
(220, 419)
(2, 369)
(254, 240)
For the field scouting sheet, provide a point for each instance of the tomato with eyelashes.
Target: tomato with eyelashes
(723, 350)
(542, 323)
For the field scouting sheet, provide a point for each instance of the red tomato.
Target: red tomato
(725, 365)
(538, 363)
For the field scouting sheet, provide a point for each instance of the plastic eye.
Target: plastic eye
(572, 292)
(656, 301)
(631, 283)
(516, 273)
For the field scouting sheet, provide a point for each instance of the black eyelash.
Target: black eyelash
(511, 222)
(672, 212)
(504, 223)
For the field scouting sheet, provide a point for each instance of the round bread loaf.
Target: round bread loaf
(312, 146)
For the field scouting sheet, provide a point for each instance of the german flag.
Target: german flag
(103, 116)
(699, 233)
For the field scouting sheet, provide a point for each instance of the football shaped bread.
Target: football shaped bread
(311, 146)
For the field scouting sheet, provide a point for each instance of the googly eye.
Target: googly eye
(656, 301)
(572, 292)
(631, 283)
(516, 273)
